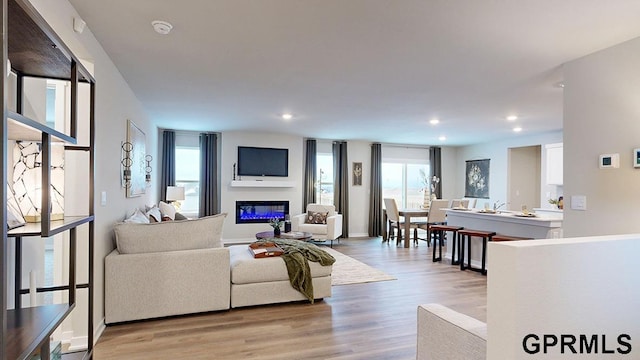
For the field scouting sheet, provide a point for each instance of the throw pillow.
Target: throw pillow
(202, 233)
(154, 214)
(316, 217)
(167, 210)
(180, 217)
(138, 217)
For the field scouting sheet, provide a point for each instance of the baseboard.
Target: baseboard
(358, 235)
(78, 343)
(102, 326)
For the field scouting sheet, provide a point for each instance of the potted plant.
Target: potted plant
(276, 224)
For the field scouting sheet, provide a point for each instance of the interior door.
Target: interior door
(524, 174)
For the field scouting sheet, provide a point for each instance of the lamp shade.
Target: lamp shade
(175, 193)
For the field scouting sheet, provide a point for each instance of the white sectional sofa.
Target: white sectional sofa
(266, 281)
(150, 274)
(181, 267)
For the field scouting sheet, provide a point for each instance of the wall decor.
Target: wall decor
(14, 216)
(136, 138)
(27, 180)
(636, 158)
(476, 183)
(357, 174)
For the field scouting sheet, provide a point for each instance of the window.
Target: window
(324, 178)
(404, 182)
(188, 175)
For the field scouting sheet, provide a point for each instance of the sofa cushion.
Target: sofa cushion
(245, 269)
(316, 217)
(318, 229)
(138, 217)
(200, 233)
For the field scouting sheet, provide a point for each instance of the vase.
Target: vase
(426, 200)
(276, 231)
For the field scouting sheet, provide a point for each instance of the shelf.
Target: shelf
(263, 184)
(22, 128)
(34, 49)
(28, 327)
(57, 226)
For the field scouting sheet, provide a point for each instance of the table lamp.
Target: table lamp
(174, 195)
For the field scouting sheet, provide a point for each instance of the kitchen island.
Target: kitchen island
(540, 226)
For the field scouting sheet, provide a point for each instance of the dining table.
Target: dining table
(407, 214)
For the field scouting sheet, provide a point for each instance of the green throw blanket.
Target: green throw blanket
(297, 255)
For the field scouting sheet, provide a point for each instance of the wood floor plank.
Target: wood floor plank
(360, 321)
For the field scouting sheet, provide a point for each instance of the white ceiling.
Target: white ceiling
(374, 70)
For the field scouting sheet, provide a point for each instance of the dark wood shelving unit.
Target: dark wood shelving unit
(28, 326)
(35, 51)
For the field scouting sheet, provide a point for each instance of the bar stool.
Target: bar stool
(500, 237)
(439, 232)
(468, 234)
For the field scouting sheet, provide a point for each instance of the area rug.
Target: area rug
(347, 270)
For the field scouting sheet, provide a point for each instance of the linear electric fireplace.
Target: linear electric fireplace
(251, 212)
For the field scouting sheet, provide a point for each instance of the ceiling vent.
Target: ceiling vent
(161, 27)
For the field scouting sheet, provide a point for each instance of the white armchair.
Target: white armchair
(329, 231)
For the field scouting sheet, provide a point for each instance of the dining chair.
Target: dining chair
(394, 221)
(455, 203)
(472, 203)
(437, 215)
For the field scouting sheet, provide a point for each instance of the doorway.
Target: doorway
(524, 177)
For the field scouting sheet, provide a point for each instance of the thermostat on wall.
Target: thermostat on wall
(609, 161)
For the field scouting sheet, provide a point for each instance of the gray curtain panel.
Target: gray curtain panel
(375, 196)
(435, 166)
(341, 184)
(309, 196)
(168, 175)
(209, 204)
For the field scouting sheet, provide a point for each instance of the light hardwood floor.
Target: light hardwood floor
(360, 321)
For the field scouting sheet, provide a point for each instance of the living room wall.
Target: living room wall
(115, 103)
(498, 152)
(601, 111)
(233, 232)
(358, 151)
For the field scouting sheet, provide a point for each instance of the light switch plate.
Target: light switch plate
(103, 198)
(578, 202)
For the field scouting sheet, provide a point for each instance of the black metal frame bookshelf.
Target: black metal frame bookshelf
(34, 50)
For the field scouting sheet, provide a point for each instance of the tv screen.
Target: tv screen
(257, 161)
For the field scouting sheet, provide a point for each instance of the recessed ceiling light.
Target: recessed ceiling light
(517, 129)
(161, 27)
(434, 121)
(442, 138)
(287, 116)
(512, 118)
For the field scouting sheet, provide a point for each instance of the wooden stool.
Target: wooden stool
(500, 237)
(468, 234)
(439, 232)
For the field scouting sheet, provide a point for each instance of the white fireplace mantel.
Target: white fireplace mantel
(263, 183)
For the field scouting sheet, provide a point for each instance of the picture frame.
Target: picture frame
(137, 139)
(636, 158)
(476, 183)
(357, 173)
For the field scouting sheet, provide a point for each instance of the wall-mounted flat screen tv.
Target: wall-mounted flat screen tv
(258, 161)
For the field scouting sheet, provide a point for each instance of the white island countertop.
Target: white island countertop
(540, 226)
